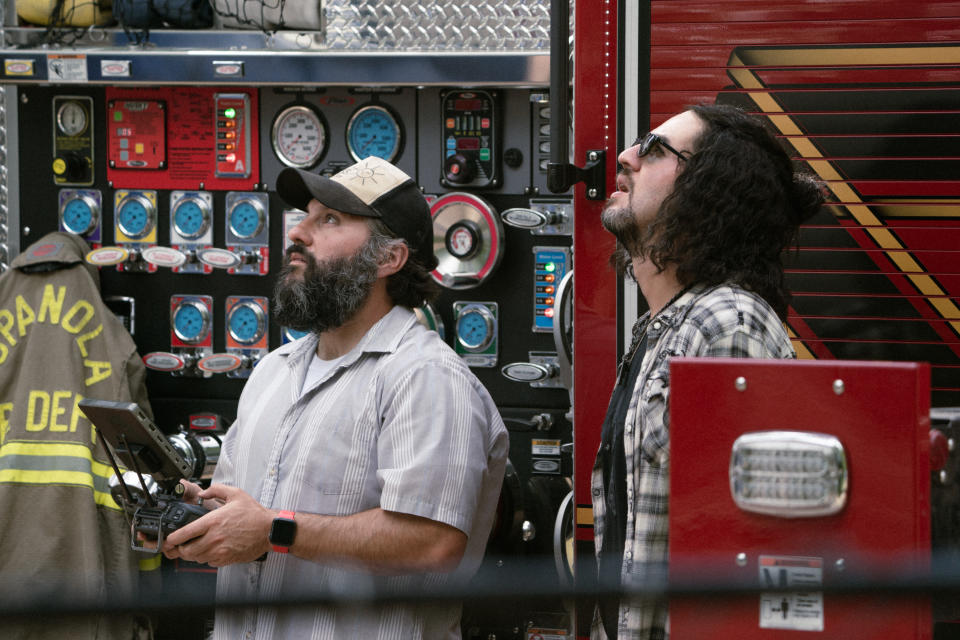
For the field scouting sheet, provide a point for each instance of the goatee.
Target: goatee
(621, 222)
(330, 292)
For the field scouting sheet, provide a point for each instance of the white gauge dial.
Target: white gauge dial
(299, 136)
(72, 118)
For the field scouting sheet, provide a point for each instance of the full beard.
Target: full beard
(328, 295)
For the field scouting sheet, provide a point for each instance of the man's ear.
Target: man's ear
(393, 260)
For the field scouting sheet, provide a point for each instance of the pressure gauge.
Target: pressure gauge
(191, 217)
(374, 131)
(71, 118)
(191, 321)
(475, 327)
(247, 322)
(80, 214)
(246, 218)
(299, 136)
(136, 216)
(293, 334)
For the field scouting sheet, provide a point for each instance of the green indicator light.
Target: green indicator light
(550, 266)
(117, 116)
(230, 112)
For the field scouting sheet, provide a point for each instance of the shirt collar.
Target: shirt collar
(674, 313)
(383, 337)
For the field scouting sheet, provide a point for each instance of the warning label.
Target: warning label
(796, 610)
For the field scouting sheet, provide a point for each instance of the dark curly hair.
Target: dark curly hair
(735, 207)
(412, 285)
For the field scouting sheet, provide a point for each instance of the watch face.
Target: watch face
(282, 532)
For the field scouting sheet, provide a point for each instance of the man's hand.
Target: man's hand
(235, 532)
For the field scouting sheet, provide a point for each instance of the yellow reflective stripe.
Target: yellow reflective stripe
(48, 449)
(49, 452)
(151, 563)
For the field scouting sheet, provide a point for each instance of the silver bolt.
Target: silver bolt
(944, 477)
(593, 156)
(838, 387)
(840, 564)
(529, 531)
(951, 444)
(26, 231)
(740, 383)
(592, 193)
(741, 559)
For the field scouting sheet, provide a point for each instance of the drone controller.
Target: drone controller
(154, 501)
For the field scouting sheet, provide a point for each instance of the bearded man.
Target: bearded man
(364, 453)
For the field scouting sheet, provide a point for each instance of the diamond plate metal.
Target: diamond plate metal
(431, 25)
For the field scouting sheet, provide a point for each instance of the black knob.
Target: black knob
(458, 169)
(513, 157)
(69, 166)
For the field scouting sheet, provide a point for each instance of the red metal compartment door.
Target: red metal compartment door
(881, 417)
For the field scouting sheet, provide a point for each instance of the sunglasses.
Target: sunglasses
(648, 142)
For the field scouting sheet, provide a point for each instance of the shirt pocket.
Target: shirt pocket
(656, 434)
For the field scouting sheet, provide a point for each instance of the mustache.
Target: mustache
(297, 249)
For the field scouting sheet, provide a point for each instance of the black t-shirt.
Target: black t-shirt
(613, 463)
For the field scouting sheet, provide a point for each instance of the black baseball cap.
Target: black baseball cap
(373, 188)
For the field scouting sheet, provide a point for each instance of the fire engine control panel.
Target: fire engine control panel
(173, 188)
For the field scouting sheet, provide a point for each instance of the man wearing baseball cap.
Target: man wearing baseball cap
(365, 450)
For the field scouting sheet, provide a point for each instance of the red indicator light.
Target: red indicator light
(231, 157)
(549, 277)
(548, 301)
(548, 289)
(548, 312)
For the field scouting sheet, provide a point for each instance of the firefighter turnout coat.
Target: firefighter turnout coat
(63, 539)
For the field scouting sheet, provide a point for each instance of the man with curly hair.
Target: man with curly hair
(705, 206)
(366, 456)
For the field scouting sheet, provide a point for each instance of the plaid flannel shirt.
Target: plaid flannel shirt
(720, 321)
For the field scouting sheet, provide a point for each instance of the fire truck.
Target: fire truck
(156, 131)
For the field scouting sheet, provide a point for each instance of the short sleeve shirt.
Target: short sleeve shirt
(400, 423)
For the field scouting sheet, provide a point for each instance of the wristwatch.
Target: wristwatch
(282, 532)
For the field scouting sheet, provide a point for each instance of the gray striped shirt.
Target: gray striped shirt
(400, 423)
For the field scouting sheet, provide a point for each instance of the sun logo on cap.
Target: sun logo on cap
(366, 171)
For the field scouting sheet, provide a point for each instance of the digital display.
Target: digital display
(468, 143)
(462, 104)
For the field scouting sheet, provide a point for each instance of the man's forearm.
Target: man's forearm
(379, 541)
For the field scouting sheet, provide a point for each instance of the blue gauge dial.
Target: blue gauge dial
(246, 323)
(474, 330)
(78, 216)
(246, 219)
(374, 131)
(293, 334)
(190, 219)
(135, 217)
(191, 322)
